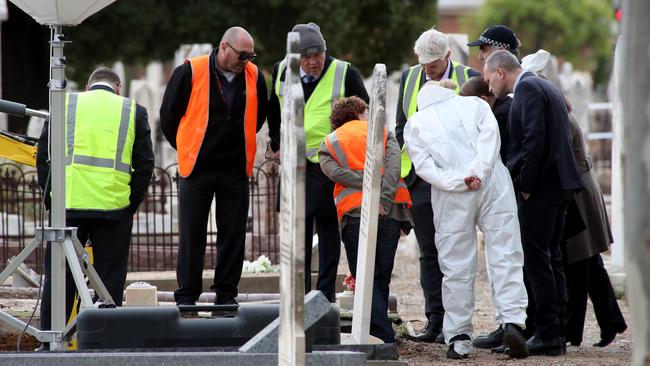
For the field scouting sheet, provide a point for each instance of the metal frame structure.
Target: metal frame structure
(65, 245)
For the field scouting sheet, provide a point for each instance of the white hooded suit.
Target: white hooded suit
(449, 139)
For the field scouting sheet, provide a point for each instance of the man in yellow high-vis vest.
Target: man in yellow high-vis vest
(434, 57)
(109, 161)
(325, 80)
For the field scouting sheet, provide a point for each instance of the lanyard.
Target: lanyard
(223, 97)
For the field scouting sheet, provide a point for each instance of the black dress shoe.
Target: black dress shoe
(429, 334)
(492, 340)
(607, 337)
(440, 339)
(228, 300)
(550, 347)
(451, 352)
(501, 349)
(513, 339)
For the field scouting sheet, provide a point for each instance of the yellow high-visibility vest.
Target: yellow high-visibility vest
(459, 74)
(330, 88)
(100, 131)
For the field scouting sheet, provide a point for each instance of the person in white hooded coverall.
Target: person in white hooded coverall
(454, 144)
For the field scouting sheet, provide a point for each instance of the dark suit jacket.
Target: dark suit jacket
(539, 153)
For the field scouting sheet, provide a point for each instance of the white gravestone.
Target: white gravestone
(291, 340)
(370, 207)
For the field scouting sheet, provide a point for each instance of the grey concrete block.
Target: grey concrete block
(172, 358)
(387, 351)
(266, 341)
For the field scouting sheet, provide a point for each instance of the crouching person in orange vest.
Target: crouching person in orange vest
(342, 157)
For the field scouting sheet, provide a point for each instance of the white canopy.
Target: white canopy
(61, 12)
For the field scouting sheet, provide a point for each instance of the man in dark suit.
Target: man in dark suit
(545, 177)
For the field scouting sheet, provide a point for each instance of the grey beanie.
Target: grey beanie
(311, 40)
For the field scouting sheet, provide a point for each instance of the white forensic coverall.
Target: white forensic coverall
(448, 139)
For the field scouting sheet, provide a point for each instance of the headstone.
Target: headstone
(458, 47)
(617, 264)
(634, 94)
(370, 207)
(291, 347)
(271, 338)
(191, 50)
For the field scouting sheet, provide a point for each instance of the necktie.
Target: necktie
(307, 79)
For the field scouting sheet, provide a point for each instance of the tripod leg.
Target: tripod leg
(91, 273)
(77, 274)
(20, 258)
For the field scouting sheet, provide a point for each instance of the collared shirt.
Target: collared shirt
(303, 73)
(445, 75)
(102, 83)
(517, 82)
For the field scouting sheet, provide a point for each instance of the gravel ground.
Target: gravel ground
(406, 286)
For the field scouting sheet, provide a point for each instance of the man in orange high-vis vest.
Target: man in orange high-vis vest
(212, 109)
(342, 157)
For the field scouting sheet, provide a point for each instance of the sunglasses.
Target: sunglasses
(242, 55)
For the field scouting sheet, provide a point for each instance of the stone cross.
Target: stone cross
(370, 207)
(291, 340)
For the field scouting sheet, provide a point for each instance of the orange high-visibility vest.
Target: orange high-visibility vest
(347, 145)
(194, 123)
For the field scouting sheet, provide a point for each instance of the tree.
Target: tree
(137, 32)
(363, 33)
(579, 31)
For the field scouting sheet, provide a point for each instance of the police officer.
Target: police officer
(324, 79)
(494, 38)
(434, 56)
(109, 161)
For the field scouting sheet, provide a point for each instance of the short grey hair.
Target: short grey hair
(106, 75)
(502, 59)
(432, 45)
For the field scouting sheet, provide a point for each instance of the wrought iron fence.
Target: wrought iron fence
(155, 237)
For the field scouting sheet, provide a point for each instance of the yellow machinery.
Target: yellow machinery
(18, 148)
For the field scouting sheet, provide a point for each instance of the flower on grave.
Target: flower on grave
(261, 265)
(350, 282)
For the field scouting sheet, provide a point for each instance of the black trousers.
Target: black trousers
(541, 218)
(430, 274)
(110, 240)
(388, 232)
(588, 277)
(321, 211)
(230, 192)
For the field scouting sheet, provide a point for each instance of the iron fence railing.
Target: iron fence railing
(154, 243)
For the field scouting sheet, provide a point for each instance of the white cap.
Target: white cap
(536, 62)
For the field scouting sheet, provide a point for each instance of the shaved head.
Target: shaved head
(235, 50)
(235, 35)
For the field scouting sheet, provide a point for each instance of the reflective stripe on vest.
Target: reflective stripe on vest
(347, 145)
(100, 132)
(460, 74)
(194, 123)
(330, 88)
